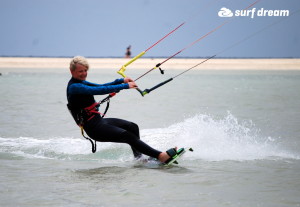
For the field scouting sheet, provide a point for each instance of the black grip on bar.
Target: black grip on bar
(158, 85)
(140, 91)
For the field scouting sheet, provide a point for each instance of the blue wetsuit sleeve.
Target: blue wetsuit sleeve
(80, 88)
(115, 82)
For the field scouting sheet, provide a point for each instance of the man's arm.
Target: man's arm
(80, 88)
(115, 82)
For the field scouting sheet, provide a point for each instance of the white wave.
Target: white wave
(212, 139)
(217, 139)
(52, 148)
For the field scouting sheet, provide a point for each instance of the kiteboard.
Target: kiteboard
(175, 156)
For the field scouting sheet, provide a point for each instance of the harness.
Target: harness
(81, 116)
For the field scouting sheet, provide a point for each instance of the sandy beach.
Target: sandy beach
(7, 63)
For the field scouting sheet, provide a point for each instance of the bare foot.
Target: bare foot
(163, 157)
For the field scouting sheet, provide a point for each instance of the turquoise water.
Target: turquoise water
(243, 126)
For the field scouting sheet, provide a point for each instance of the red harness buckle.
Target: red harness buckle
(91, 110)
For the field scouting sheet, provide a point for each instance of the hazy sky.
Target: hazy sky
(100, 28)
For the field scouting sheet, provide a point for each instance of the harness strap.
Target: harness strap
(90, 110)
(106, 108)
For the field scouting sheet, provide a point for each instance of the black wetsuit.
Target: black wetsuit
(80, 94)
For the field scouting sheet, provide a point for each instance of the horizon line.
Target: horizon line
(151, 57)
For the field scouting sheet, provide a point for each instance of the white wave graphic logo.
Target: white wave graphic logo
(224, 12)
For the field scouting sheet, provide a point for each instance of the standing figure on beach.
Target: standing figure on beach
(84, 109)
(128, 52)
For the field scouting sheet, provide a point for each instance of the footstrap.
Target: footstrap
(171, 152)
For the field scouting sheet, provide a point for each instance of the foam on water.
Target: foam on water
(223, 139)
(212, 140)
(59, 148)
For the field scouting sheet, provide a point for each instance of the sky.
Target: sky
(97, 28)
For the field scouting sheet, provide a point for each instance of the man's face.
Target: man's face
(80, 72)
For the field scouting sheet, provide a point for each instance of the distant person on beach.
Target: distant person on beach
(128, 52)
(84, 109)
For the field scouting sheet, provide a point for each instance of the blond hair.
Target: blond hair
(78, 60)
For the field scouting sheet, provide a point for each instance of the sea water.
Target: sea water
(242, 125)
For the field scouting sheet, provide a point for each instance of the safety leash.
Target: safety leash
(94, 143)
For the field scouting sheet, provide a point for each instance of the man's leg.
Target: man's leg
(121, 131)
(128, 126)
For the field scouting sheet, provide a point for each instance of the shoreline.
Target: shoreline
(147, 63)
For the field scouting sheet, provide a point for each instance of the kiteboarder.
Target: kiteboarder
(84, 109)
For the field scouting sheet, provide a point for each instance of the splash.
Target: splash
(218, 139)
(212, 140)
(57, 148)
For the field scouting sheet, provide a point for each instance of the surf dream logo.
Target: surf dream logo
(225, 12)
